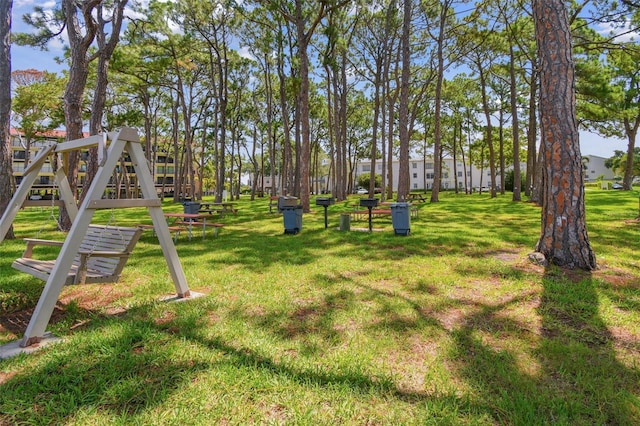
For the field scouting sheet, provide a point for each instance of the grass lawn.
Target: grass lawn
(450, 325)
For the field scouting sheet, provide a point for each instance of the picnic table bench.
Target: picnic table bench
(187, 221)
(218, 208)
(383, 210)
(175, 229)
(364, 214)
(414, 196)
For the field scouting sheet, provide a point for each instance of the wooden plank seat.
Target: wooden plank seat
(103, 252)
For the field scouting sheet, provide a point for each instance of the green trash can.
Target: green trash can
(292, 218)
(401, 218)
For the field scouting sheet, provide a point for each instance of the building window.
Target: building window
(429, 166)
(446, 175)
(459, 174)
(429, 175)
(415, 176)
(366, 168)
(415, 186)
(414, 165)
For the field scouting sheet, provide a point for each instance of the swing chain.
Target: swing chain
(52, 214)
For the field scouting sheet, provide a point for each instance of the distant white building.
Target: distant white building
(595, 169)
(421, 174)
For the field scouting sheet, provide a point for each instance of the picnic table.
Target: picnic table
(191, 220)
(219, 208)
(416, 197)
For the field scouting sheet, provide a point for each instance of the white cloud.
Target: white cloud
(620, 34)
(244, 52)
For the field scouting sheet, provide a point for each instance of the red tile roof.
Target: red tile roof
(56, 134)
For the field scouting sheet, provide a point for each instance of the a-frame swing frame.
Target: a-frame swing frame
(125, 140)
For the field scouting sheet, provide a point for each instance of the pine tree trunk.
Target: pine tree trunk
(6, 175)
(563, 240)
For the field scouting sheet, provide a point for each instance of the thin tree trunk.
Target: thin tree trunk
(532, 160)
(516, 129)
(631, 129)
(489, 135)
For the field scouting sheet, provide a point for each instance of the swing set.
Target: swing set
(90, 252)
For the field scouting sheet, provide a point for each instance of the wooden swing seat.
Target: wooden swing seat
(102, 255)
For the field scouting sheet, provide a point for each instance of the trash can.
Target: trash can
(191, 207)
(401, 218)
(345, 222)
(292, 218)
(287, 202)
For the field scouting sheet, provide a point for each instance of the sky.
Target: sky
(23, 57)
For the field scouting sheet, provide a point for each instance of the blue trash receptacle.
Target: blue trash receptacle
(292, 218)
(191, 207)
(401, 218)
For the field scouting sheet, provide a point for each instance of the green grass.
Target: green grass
(450, 325)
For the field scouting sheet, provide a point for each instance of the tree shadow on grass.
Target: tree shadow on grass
(579, 352)
(125, 369)
(571, 377)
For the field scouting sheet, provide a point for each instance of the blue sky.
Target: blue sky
(27, 57)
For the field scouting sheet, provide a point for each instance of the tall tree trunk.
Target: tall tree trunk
(403, 114)
(6, 167)
(532, 132)
(631, 130)
(105, 51)
(437, 143)
(563, 239)
(342, 140)
(305, 155)
(516, 128)
(286, 172)
(501, 149)
(489, 135)
(78, 73)
(376, 121)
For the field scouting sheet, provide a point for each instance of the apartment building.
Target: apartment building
(594, 169)
(421, 173)
(45, 184)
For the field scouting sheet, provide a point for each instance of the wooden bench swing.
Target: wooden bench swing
(103, 252)
(90, 252)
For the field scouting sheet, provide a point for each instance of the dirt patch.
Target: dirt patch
(16, 322)
(90, 297)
